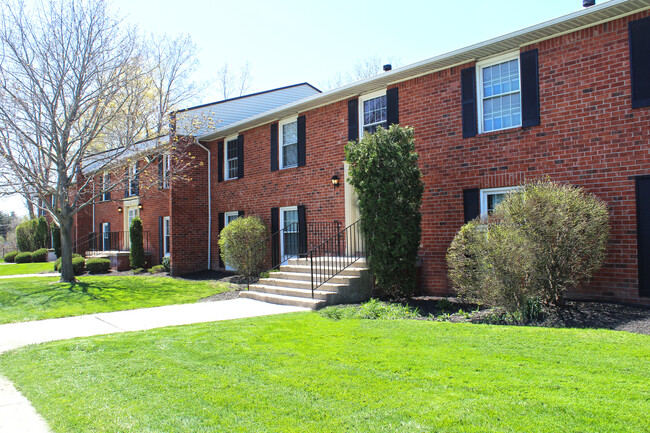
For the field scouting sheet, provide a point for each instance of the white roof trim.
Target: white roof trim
(572, 22)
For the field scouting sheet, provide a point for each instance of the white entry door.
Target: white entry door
(131, 213)
(228, 218)
(106, 240)
(289, 239)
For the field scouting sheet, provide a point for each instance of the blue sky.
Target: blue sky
(288, 41)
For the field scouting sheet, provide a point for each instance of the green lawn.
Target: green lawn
(23, 299)
(305, 373)
(26, 268)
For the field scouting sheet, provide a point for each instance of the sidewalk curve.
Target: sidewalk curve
(17, 415)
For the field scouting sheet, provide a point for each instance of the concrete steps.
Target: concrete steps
(291, 285)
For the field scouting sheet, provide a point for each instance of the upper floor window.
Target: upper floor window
(231, 162)
(491, 197)
(499, 93)
(372, 112)
(106, 195)
(289, 143)
(166, 170)
(133, 180)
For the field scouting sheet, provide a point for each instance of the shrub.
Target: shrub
(57, 263)
(167, 263)
(385, 174)
(373, 310)
(40, 256)
(42, 233)
(541, 241)
(10, 256)
(241, 244)
(78, 265)
(26, 235)
(56, 240)
(98, 265)
(136, 258)
(157, 269)
(139, 271)
(25, 257)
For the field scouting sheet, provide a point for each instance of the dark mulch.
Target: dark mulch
(575, 314)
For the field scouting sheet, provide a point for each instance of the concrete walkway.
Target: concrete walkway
(17, 415)
(46, 274)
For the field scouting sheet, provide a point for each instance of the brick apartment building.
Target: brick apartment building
(567, 99)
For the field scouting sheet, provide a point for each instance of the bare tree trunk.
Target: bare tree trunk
(30, 205)
(67, 272)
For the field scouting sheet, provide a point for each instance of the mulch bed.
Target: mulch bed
(575, 314)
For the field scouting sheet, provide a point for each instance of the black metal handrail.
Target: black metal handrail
(107, 241)
(331, 257)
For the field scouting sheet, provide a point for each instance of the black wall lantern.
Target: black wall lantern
(335, 180)
(119, 209)
(140, 206)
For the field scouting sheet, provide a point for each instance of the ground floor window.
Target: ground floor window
(166, 237)
(491, 197)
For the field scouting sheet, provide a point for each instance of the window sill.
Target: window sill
(501, 131)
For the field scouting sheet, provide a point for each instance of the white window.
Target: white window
(105, 184)
(106, 236)
(166, 237)
(132, 213)
(166, 174)
(231, 162)
(133, 180)
(289, 239)
(499, 94)
(372, 112)
(288, 130)
(491, 197)
(228, 218)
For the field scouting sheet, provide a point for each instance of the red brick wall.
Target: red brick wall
(154, 201)
(589, 136)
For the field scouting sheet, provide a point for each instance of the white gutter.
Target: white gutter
(209, 205)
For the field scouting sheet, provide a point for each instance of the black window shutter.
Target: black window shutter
(240, 156)
(240, 214)
(220, 161)
(353, 119)
(468, 97)
(471, 203)
(302, 231)
(127, 181)
(274, 147)
(302, 132)
(529, 88)
(221, 222)
(160, 171)
(161, 241)
(275, 239)
(392, 106)
(639, 35)
(137, 179)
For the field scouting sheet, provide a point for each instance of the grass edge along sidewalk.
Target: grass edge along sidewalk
(303, 372)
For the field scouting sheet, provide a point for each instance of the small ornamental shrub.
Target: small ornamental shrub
(241, 245)
(541, 241)
(23, 258)
(136, 257)
(167, 263)
(26, 236)
(57, 263)
(139, 271)
(10, 256)
(372, 310)
(157, 269)
(385, 174)
(78, 265)
(42, 233)
(40, 256)
(56, 240)
(98, 265)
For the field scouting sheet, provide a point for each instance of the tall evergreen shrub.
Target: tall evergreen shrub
(136, 258)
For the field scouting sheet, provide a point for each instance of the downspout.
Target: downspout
(209, 205)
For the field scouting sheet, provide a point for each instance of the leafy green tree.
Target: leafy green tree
(385, 174)
(241, 245)
(26, 236)
(136, 258)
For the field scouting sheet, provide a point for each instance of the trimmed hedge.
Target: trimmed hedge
(98, 265)
(10, 256)
(23, 258)
(78, 265)
(57, 263)
(40, 256)
(157, 269)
